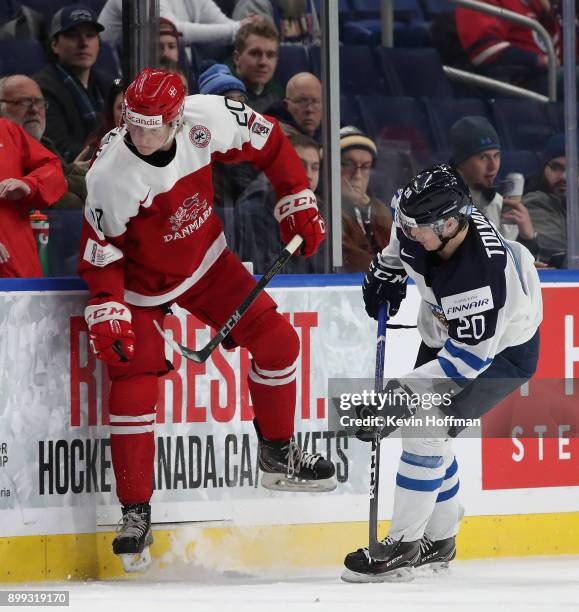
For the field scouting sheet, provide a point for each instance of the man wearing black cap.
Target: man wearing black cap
(476, 154)
(547, 204)
(74, 89)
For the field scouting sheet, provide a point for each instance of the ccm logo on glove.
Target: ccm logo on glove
(111, 335)
(298, 214)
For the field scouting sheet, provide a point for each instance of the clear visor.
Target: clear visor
(413, 230)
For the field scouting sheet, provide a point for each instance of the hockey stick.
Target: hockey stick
(377, 550)
(202, 355)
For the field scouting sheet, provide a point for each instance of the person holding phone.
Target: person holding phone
(476, 154)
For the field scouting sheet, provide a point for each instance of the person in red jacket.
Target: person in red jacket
(30, 177)
(151, 238)
(505, 49)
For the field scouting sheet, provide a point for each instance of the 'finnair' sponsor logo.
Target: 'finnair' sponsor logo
(467, 303)
(147, 121)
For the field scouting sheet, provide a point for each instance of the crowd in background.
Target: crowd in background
(53, 121)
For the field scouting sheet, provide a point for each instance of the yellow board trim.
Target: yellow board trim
(235, 548)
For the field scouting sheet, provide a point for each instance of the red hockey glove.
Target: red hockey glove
(110, 333)
(298, 214)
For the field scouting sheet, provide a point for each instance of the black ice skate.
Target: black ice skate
(286, 467)
(397, 567)
(134, 537)
(437, 554)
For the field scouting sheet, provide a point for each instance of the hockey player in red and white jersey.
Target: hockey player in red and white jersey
(152, 238)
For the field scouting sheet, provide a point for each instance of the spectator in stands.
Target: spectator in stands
(201, 22)
(255, 225)
(171, 66)
(301, 111)
(366, 221)
(229, 181)
(30, 177)
(111, 118)
(476, 153)
(507, 50)
(218, 81)
(296, 20)
(21, 101)
(168, 40)
(547, 204)
(255, 58)
(74, 89)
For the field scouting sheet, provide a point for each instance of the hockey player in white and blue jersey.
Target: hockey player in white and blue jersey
(479, 317)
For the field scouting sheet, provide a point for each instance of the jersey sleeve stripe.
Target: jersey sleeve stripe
(450, 370)
(471, 360)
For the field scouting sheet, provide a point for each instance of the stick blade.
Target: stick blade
(196, 356)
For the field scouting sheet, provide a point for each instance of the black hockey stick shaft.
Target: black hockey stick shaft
(376, 548)
(202, 354)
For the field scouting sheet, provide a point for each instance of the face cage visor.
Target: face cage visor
(407, 224)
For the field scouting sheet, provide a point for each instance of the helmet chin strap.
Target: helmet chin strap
(444, 240)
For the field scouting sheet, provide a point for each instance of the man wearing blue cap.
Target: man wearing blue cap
(547, 204)
(229, 181)
(218, 81)
(74, 89)
(476, 154)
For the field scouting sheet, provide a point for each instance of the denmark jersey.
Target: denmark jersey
(485, 298)
(150, 233)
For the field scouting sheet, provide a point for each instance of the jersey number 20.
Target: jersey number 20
(471, 327)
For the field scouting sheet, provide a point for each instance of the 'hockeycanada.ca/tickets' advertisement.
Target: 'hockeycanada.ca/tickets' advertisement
(54, 436)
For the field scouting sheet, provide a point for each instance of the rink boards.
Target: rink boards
(57, 503)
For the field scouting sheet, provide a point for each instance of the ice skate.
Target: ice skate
(286, 467)
(397, 567)
(134, 537)
(437, 554)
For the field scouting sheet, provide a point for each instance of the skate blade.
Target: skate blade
(440, 568)
(280, 482)
(136, 562)
(402, 574)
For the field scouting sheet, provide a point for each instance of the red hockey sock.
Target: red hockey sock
(274, 346)
(132, 418)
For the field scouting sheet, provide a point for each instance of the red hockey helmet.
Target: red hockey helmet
(154, 98)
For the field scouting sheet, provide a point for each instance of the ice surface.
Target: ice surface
(541, 584)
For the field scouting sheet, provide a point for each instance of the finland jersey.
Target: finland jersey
(150, 233)
(484, 299)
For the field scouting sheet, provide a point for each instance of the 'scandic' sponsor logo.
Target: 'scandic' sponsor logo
(150, 121)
